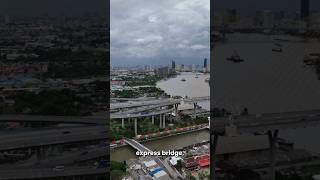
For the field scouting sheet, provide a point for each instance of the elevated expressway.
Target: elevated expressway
(148, 108)
(159, 102)
(54, 119)
(261, 123)
(269, 123)
(44, 138)
(91, 130)
(49, 173)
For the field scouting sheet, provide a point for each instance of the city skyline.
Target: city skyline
(154, 33)
(273, 5)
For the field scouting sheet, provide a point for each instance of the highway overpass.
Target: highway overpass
(67, 158)
(158, 102)
(50, 137)
(46, 173)
(139, 115)
(261, 123)
(269, 123)
(54, 119)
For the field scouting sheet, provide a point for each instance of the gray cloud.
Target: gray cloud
(154, 32)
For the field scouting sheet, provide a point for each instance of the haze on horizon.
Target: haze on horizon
(153, 32)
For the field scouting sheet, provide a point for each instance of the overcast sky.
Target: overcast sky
(147, 32)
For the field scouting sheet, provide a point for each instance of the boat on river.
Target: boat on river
(235, 57)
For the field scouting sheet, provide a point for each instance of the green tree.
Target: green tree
(178, 166)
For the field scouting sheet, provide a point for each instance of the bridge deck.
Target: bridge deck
(272, 121)
(55, 119)
(42, 173)
(136, 145)
(52, 137)
(128, 115)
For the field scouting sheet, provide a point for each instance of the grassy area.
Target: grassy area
(139, 92)
(138, 81)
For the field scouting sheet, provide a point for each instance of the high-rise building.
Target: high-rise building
(205, 63)
(162, 71)
(173, 65)
(304, 11)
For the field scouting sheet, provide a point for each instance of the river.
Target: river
(169, 143)
(268, 81)
(265, 82)
(192, 87)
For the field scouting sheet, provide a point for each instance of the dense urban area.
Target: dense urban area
(53, 102)
(143, 114)
(58, 122)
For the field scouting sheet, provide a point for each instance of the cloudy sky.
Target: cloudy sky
(147, 32)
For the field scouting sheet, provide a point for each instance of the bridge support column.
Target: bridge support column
(176, 109)
(135, 127)
(213, 148)
(160, 121)
(164, 121)
(273, 135)
(152, 119)
(122, 123)
(194, 109)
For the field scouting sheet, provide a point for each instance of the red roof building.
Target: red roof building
(203, 160)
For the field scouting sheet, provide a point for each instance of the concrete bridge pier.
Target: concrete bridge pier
(160, 121)
(194, 109)
(122, 123)
(164, 121)
(152, 119)
(135, 126)
(273, 135)
(176, 109)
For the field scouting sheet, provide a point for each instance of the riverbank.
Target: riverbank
(168, 143)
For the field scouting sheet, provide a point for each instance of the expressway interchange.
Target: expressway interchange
(62, 147)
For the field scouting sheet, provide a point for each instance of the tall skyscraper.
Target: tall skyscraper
(205, 63)
(173, 65)
(304, 11)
